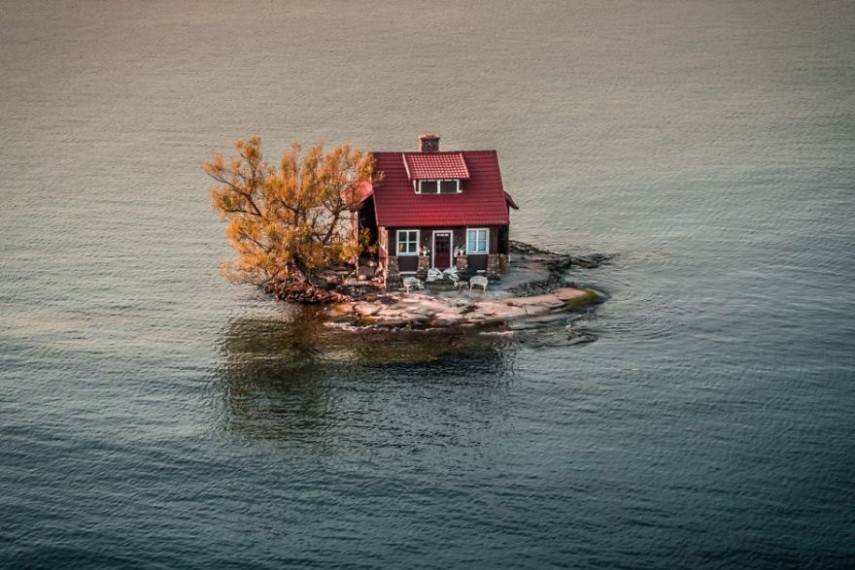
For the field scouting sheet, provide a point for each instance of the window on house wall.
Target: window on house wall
(438, 186)
(408, 242)
(477, 240)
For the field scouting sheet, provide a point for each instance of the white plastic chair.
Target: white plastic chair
(411, 283)
(433, 274)
(478, 280)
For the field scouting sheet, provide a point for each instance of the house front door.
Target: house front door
(442, 250)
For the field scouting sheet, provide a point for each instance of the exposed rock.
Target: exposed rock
(532, 288)
(519, 247)
(302, 292)
(591, 261)
(535, 288)
(567, 294)
(366, 309)
(423, 310)
(560, 263)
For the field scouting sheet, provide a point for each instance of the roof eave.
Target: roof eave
(510, 201)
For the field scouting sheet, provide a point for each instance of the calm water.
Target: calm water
(154, 416)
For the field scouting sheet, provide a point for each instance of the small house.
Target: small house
(436, 209)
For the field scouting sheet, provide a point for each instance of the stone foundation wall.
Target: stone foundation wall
(393, 273)
(494, 266)
(461, 262)
(424, 265)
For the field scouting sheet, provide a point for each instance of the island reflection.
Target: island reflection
(298, 380)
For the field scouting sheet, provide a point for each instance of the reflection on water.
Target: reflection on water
(301, 380)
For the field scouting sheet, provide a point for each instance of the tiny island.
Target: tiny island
(415, 239)
(534, 285)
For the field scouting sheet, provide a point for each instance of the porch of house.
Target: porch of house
(394, 271)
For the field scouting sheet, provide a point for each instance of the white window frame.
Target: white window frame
(471, 244)
(398, 242)
(417, 184)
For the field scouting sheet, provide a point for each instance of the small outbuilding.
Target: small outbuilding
(436, 209)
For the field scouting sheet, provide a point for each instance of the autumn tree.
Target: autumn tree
(289, 224)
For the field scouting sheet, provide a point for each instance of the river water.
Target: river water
(155, 416)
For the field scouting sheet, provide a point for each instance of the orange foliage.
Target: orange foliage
(290, 222)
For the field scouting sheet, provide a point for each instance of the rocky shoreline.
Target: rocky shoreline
(535, 285)
(419, 310)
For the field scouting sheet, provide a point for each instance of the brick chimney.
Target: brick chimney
(429, 142)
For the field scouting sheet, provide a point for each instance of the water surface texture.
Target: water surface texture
(154, 416)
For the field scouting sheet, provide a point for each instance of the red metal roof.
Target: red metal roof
(481, 202)
(435, 166)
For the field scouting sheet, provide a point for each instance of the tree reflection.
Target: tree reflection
(301, 381)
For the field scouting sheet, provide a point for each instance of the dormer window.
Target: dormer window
(436, 172)
(437, 186)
